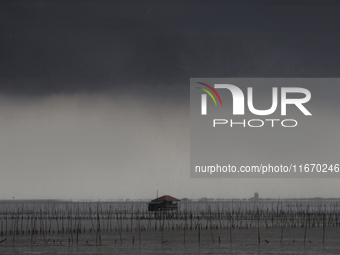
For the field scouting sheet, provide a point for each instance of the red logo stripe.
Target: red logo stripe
(208, 86)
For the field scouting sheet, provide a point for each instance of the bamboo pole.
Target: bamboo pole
(212, 236)
(199, 233)
(283, 225)
(323, 225)
(31, 232)
(120, 235)
(230, 228)
(306, 216)
(185, 222)
(139, 235)
(163, 227)
(258, 226)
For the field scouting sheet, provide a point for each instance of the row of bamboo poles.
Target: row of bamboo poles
(75, 219)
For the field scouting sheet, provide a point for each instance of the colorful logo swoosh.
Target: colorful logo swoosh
(208, 92)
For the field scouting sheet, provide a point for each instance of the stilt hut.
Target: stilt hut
(163, 203)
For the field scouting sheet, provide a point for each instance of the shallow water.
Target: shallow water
(53, 229)
(244, 241)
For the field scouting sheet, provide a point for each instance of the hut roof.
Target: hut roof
(165, 198)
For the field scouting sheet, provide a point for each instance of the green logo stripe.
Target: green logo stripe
(208, 94)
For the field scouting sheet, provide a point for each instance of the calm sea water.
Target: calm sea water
(244, 241)
(173, 240)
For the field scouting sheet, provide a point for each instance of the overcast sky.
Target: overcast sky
(94, 97)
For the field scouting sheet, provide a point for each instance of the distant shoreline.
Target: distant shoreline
(182, 200)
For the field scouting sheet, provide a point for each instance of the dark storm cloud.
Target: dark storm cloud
(66, 47)
(97, 92)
